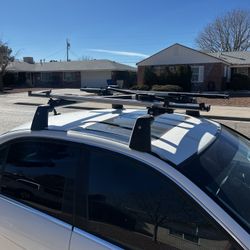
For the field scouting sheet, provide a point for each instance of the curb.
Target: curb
(228, 118)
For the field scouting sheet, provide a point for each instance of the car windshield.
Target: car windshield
(223, 171)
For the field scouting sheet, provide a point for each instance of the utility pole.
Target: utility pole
(67, 48)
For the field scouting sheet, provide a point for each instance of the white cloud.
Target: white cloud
(121, 53)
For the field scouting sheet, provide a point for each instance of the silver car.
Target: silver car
(124, 179)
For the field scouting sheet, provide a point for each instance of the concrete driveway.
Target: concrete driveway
(18, 108)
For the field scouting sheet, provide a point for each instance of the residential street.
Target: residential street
(18, 108)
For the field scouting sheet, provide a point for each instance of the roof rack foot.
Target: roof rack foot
(194, 113)
(141, 135)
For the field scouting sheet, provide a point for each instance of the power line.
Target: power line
(56, 52)
(74, 54)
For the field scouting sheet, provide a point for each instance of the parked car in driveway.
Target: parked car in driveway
(142, 178)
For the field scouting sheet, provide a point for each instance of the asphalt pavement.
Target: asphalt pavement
(18, 108)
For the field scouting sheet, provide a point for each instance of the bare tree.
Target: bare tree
(230, 32)
(5, 58)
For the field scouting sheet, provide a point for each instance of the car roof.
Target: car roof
(174, 137)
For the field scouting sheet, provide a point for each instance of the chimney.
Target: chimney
(28, 59)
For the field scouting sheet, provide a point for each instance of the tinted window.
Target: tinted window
(225, 176)
(3, 152)
(41, 174)
(132, 205)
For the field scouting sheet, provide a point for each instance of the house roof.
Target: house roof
(236, 58)
(91, 65)
(180, 54)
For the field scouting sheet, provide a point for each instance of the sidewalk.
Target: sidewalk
(228, 113)
(217, 112)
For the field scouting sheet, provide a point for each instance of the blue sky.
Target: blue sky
(124, 31)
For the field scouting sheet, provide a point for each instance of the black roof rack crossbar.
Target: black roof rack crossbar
(169, 94)
(115, 100)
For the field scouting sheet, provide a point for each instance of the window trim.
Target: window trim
(200, 75)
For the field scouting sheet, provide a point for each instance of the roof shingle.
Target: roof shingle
(234, 57)
(91, 65)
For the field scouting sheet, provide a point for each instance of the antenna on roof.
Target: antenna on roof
(67, 49)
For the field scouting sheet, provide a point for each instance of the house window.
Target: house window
(225, 71)
(70, 76)
(197, 74)
(242, 71)
(46, 77)
(159, 70)
(28, 76)
(172, 69)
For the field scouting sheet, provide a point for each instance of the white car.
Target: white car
(124, 179)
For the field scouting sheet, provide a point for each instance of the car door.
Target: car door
(37, 187)
(126, 203)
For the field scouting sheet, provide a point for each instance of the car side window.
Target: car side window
(41, 174)
(132, 205)
(3, 152)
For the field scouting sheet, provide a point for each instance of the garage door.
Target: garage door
(95, 79)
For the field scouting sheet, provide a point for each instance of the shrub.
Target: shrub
(9, 79)
(239, 82)
(170, 75)
(168, 88)
(150, 77)
(131, 80)
(140, 87)
(184, 75)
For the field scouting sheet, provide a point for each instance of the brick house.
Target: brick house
(210, 71)
(89, 73)
(239, 61)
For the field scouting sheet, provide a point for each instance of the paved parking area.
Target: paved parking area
(16, 109)
(242, 127)
(19, 108)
